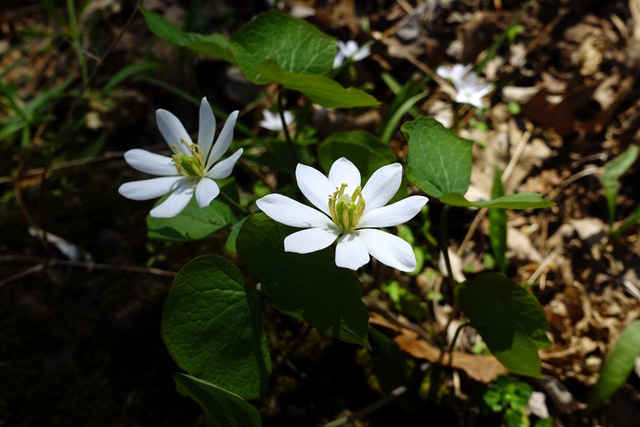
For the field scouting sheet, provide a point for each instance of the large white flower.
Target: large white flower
(347, 212)
(191, 169)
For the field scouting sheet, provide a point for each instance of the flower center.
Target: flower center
(190, 166)
(346, 210)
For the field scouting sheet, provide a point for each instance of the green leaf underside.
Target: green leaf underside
(193, 223)
(297, 46)
(509, 319)
(212, 327)
(366, 151)
(215, 45)
(439, 161)
(510, 201)
(223, 408)
(618, 365)
(308, 287)
(318, 89)
(613, 170)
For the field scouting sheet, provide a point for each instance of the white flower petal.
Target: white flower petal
(224, 140)
(338, 60)
(206, 191)
(175, 203)
(315, 186)
(224, 168)
(172, 130)
(151, 163)
(382, 186)
(351, 252)
(343, 171)
(292, 213)
(309, 240)
(388, 249)
(151, 188)
(362, 53)
(394, 214)
(207, 126)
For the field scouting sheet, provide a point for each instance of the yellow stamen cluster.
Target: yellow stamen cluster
(189, 166)
(346, 211)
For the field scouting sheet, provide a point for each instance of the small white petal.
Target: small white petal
(394, 214)
(207, 126)
(175, 203)
(206, 191)
(224, 140)
(388, 249)
(309, 240)
(343, 171)
(382, 186)
(315, 186)
(224, 168)
(151, 163)
(338, 60)
(351, 252)
(292, 213)
(172, 130)
(362, 53)
(151, 188)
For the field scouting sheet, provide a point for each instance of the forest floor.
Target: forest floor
(80, 338)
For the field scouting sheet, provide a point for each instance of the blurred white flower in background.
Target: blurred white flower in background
(350, 50)
(272, 121)
(469, 89)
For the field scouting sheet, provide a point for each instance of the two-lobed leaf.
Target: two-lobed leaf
(509, 319)
(439, 161)
(308, 287)
(298, 47)
(319, 89)
(212, 327)
(223, 408)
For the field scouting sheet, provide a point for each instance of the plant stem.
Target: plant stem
(444, 245)
(455, 338)
(234, 203)
(284, 125)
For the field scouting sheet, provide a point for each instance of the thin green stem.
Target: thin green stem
(75, 37)
(234, 203)
(444, 246)
(284, 125)
(455, 338)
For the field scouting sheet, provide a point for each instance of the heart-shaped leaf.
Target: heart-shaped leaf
(439, 161)
(297, 46)
(212, 326)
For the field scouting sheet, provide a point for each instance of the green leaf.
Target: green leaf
(509, 319)
(618, 365)
(319, 89)
(297, 46)
(308, 287)
(193, 223)
(613, 170)
(212, 327)
(215, 45)
(438, 161)
(366, 151)
(223, 408)
(510, 201)
(498, 223)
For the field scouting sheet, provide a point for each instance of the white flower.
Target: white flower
(456, 73)
(272, 121)
(192, 168)
(347, 212)
(469, 89)
(350, 50)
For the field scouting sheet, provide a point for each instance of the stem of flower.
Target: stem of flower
(284, 125)
(234, 203)
(455, 338)
(444, 245)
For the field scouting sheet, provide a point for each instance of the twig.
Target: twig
(573, 178)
